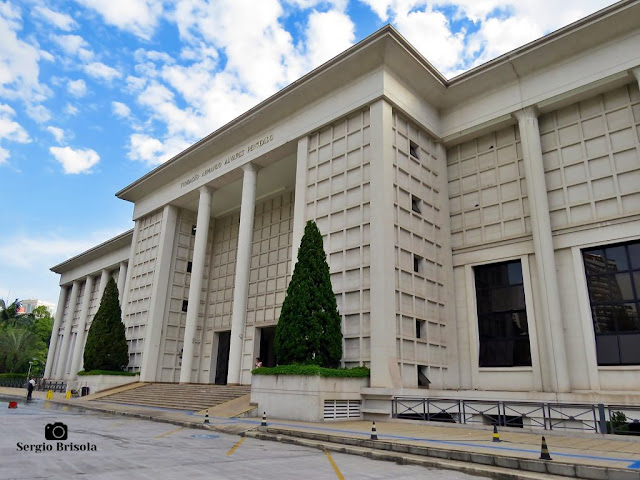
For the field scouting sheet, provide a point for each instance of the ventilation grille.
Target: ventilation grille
(340, 409)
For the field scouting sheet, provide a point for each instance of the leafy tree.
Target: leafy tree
(106, 347)
(309, 328)
(17, 348)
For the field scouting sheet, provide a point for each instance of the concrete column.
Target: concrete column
(122, 276)
(159, 296)
(385, 372)
(243, 263)
(300, 201)
(78, 349)
(193, 308)
(127, 283)
(551, 314)
(53, 343)
(61, 367)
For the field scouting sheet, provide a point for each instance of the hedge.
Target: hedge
(313, 370)
(13, 376)
(108, 372)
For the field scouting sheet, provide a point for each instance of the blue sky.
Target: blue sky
(95, 93)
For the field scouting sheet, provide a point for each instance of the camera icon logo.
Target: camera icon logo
(55, 431)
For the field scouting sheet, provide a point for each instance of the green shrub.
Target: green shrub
(309, 330)
(13, 375)
(313, 370)
(106, 347)
(108, 372)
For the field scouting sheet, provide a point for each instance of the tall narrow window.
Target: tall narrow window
(613, 280)
(185, 305)
(189, 267)
(417, 261)
(193, 229)
(502, 315)
(413, 149)
(415, 204)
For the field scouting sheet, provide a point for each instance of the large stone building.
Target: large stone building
(483, 232)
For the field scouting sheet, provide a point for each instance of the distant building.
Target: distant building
(29, 305)
(482, 232)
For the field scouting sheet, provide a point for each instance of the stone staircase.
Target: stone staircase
(192, 397)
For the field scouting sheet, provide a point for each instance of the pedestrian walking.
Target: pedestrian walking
(31, 383)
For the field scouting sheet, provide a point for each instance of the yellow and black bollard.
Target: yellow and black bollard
(206, 417)
(544, 451)
(264, 419)
(374, 432)
(496, 437)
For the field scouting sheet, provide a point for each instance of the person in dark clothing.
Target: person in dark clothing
(30, 384)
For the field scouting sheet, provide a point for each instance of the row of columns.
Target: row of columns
(241, 285)
(58, 355)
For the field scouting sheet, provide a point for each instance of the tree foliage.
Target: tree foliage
(309, 328)
(24, 338)
(106, 347)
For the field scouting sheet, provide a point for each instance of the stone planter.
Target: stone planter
(300, 397)
(97, 383)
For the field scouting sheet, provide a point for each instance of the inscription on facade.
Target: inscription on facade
(252, 147)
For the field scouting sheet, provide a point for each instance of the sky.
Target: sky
(95, 93)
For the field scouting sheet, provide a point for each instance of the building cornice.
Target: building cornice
(113, 244)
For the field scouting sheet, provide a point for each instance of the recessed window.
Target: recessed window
(193, 229)
(417, 263)
(419, 328)
(423, 381)
(189, 267)
(415, 204)
(185, 305)
(502, 315)
(613, 281)
(413, 149)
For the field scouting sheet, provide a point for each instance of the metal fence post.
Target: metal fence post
(603, 419)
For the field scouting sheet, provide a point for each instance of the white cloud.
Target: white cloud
(19, 70)
(139, 17)
(71, 109)
(9, 128)
(37, 112)
(57, 133)
(74, 45)
(77, 88)
(4, 156)
(328, 34)
(101, 71)
(120, 109)
(152, 151)
(75, 161)
(60, 20)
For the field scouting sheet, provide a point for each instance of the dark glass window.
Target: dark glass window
(193, 229)
(502, 315)
(413, 149)
(613, 280)
(185, 305)
(417, 263)
(415, 204)
(189, 267)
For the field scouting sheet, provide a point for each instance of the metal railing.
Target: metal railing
(596, 418)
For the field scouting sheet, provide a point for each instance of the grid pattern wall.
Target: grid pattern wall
(174, 316)
(78, 307)
(487, 191)
(142, 267)
(270, 268)
(419, 271)
(94, 302)
(591, 153)
(338, 192)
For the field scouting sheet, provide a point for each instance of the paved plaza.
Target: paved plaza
(142, 449)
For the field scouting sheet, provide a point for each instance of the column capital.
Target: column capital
(250, 167)
(636, 73)
(526, 113)
(205, 189)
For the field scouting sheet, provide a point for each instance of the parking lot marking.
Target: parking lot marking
(333, 464)
(235, 447)
(166, 434)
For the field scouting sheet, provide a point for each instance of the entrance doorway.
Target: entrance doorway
(267, 352)
(222, 362)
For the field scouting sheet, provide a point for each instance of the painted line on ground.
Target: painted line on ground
(235, 447)
(333, 464)
(166, 434)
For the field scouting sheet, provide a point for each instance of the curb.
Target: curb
(393, 451)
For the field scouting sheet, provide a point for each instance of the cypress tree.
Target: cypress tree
(106, 347)
(309, 329)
